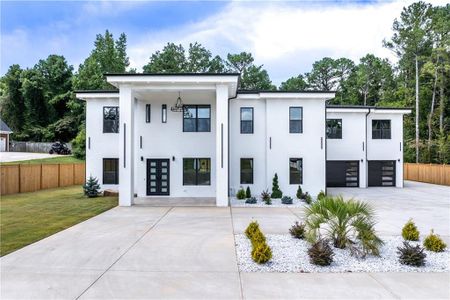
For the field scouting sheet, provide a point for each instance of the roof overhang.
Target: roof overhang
(366, 109)
(5, 132)
(285, 95)
(97, 94)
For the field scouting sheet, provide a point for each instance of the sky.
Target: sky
(286, 37)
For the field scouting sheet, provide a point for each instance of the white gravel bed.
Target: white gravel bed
(275, 203)
(290, 255)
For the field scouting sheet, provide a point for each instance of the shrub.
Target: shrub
(276, 192)
(265, 196)
(261, 253)
(248, 193)
(433, 242)
(251, 229)
(286, 200)
(346, 223)
(251, 200)
(79, 144)
(91, 188)
(299, 193)
(411, 255)
(321, 253)
(410, 232)
(258, 237)
(321, 195)
(297, 230)
(307, 198)
(240, 194)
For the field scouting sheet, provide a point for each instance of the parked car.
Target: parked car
(60, 148)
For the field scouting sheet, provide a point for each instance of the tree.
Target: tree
(297, 83)
(323, 76)
(251, 77)
(34, 95)
(13, 103)
(91, 188)
(276, 192)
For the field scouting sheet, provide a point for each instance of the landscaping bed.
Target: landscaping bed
(234, 202)
(290, 255)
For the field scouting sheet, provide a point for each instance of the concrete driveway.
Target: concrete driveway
(21, 156)
(189, 253)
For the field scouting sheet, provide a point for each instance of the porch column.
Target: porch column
(221, 145)
(126, 146)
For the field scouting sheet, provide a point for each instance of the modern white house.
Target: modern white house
(196, 136)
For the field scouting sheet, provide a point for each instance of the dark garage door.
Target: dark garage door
(342, 173)
(382, 173)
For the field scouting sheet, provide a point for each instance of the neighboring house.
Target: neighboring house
(5, 131)
(196, 135)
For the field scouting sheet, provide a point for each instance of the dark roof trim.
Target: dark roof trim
(366, 107)
(283, 92)
(96, 91)
(171, 74)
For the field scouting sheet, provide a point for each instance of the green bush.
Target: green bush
(248, 193)
(411, 255)
(433, 242)
(410, 232)
(261, 253)
(286, 200)
(321, 195)
(258, 238)
(299, 193)
(320, 253)
(297, 230)
(91, 188)
(276, 192)
(307, 198)
(251, 229)
(265, 196)
(79, 144)
(240, 194)
(251, 200)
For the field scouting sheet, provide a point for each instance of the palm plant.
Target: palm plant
(347, 223)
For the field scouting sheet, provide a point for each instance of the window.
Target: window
(110, 171)
(334, 128)
(110, 119)
(164, 113)
(147, 113)
(197, 118)
(295, 119)
(246, 119)
(295, 171)
(246, 170)
(196, 171)
(381, 129)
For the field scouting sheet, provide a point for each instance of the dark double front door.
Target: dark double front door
(158, 177)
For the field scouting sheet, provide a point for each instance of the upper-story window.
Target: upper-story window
(334, 128)
(295, 119)
(381, 129)
(197, 118)
(246, 119)
(110, 119)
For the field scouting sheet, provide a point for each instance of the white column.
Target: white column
(126, 146)
(221, 145)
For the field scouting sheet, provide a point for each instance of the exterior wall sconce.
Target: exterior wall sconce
(362, 160)
(142, 158)
(173, 158)
(164, 113)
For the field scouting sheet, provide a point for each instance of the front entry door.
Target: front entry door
(158, 177)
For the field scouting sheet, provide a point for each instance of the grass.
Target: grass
(50, 160)
(29, 217)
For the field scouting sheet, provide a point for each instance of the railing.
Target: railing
(22, 178)
(430, 173)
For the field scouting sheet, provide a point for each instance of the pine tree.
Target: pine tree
(91, 188)
(276, 192)
(248, 193)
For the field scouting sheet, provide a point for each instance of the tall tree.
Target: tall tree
(13, 103)
(252, 77)
(34, 95)
(297, 83)
(323, 75)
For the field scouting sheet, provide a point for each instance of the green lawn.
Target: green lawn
(50, 160)
(28, 217)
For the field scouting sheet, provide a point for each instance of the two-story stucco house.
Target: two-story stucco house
(194, 136)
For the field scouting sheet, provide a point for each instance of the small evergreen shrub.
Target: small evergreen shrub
(240, 194)
(410, 232)
(433, 242)
(276, 192)
(268, 201)
(91, 188)
(248, 193)
(251, 200)
(321, 253)
(299, 193)
(286, 200)
(411, 255)
(251, 229)
(265, 196)
(261, 253)
(307, 198)
(321, 195)
(258, 238)
(297, 230)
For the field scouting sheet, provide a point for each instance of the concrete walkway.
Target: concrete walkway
(188, 253)
(22, 156)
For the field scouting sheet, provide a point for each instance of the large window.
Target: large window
(196, 171)
(246, 119)
(197, 118)
(110, 119)
(246, 170)
(295, 119)
(381, 129)
(110, 171)
(295, 171)
(334, 128)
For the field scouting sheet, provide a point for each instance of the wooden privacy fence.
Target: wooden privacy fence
(24, 178)
(430, 173)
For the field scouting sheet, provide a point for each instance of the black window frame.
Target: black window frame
(380, 133)
(294, 160)
(148, 113)
(246, 173)
(188, 106)
(247, 121)
(114, 128)
(116, 171)
(291, 129)
(337, 134)
(196, 169)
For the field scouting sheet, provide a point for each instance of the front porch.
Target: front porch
(174, 201)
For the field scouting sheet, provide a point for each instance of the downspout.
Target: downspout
(228, 137)
(325, 145)
(365, 152)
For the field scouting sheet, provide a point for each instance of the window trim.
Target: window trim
(334, 138)
(301, 172)
(197, 106)
(301, 119)
(118, 118)
(381, 129)
(148, 113)
(252, 172)
(196, 163)
(252, 120)
(116, 171)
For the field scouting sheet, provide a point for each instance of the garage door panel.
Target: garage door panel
(382, 173)
(342, 173)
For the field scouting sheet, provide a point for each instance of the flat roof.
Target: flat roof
(283, 92)
(366, 107)
(171, 74)
(96, 91)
